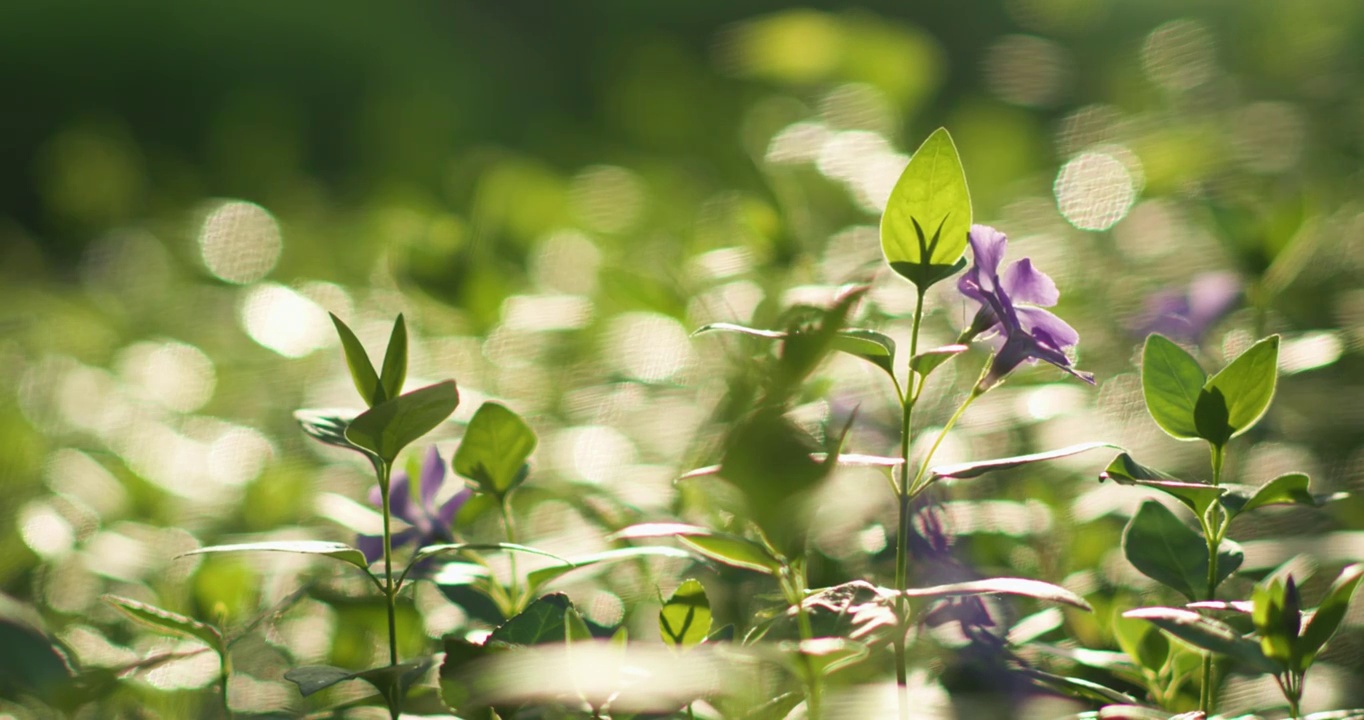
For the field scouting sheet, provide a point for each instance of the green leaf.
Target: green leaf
(361, 370)
(1211, 417)
(537, 578)
(976, 469)
(31, 662)
(1196, 496)
(1007, 586)
(166, 621)
(335, 550)
(721, 547)
(1289, 489)
(395, 360)
(928, 215)
(575, 628)
(1247, 384)
(1171, 380)
(1166, 550)
(827, 655)
(1206, 633)
(1147, 647)
(1329, 614)
(390, 426)
(329, 426)
(1277, 614)
(541, 622)
(494, 449)
(741, 329)
(684, 620)
(314, 678)
(1080, 687)
(929, 360)
(430, 551)
(390, 680)
(874, 347)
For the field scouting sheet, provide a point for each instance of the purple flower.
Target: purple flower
(428, 523)
(1187, 316)
(1026, 331)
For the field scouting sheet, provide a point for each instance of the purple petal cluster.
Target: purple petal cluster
(1186, 315)
(1012, 306)
(428, 523)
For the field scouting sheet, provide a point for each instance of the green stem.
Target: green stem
(917, 486)
(390, 597)
(1213, 530)
(509, 526)
(793, 585)
(908, 398)
(224, 670)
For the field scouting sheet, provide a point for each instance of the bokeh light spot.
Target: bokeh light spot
(1026, 70)
(607, 198)
(174, 375)
(239, 242)
(649, 346)
(283, 320)
(1094, 190)
(1179, 55)
(44, 530)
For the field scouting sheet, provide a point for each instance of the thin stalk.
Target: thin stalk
(794, 586)
(224, 670)
(917, 486)
(1213, 530)
(509, 526)
(390, 597)
(908, 398)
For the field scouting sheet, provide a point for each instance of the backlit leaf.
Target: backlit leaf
(335, 550)
(1171, 381)
(1329, 614)
(1008, 586)
(1196, 496)
(1206, 633)
(684, 620)
(874, 347)
(929, 360)
(166, 621)
(361, 369)
(390, 426)
(976, 469)
(495, 448)
(1247, 384)
(1166, 550)
(395, 360)
(928, 215)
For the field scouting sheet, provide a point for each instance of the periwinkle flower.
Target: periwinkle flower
(1011, 305)
(428, 523)
(1188, 315)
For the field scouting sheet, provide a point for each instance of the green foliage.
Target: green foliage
(928, 216)
(1172, 382)
(1206, 633)
(684, 620)
(334, 550)
(1189, 405)
(392, 425)
(165, 621)
(721, 547)
(495, 448)
(1166, 550)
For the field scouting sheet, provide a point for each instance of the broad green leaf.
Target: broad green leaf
(928, 215)
(537, 578)
(1247, 384)
(541, 622)
(575, 628)
(721, 547)
(457, 684)
(166, 621)
(390, 426)
(32, 664)
(314, 678)
(684, 620)
(929, 360)
(1166, 550)
(393, 681)
(976, 469)
(741, 329)
(874, 347)
(1277, 614)
(1171, 381)
(1196, 496)
(1289, 489)
(1211, 417)
(329, 426)
(1007, 586)
(1146, 646)
(1329, 614)
(335, 550)
(1080, 687)
(430, 551)
(361, 369)
(1206, 633)
(395, 360)
(495, 448)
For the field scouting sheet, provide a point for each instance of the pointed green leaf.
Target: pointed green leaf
(390, 426)
(721, 547)
(1211, 417)
(684, 620)
(315, 678)
(166, 621)
(1289, 489)
(1247, 384)
(1171, 381)
(361, 370)
(495, 448)
(537, 578)
(335, 550)
(976, 469)
(1166, 550)
(575, 628)
(1088, 689)
(1007, 586)
(1196, 496)
(1147, 647)
(1329, 614)
(741, 329)
(872, 346)
(928, 215)
(541, 622)
(395, 360)
(1206, 633)
(329, 426)
(929, 360)
(430, 551)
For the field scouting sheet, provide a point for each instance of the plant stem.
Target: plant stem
(793, 585)
(908, 398)
(224, 670)
(389, 595)
(1212, 534)
(509, 526)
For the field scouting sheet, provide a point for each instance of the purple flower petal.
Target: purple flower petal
(433, 473)
(1027, 284)
(445, 517)
(400, 497)
(1039, 323)
(372, 546)
(987, 247)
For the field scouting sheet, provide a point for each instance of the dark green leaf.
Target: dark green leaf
(31, 663)
(575, 628)
(1166, 550)
(721, 547)
(741, 329)
(537, 578)
(872, 346)
(1206, 633)
(1007, 586)
(166, 621)
(1080, 687)
(1247, 384)
(314, 678)
(976, 469)
(329, 426)
(1196, 496)
(390, 426)
(928, 215)
(1171, 380)
(1329, 614)
(1289, 489)
(1211, 418)
(684, 620)
(395, 360)
(541, 622)
(361, 370)
(335, 550)
(458, 684)
(495, 448)
(929, 360)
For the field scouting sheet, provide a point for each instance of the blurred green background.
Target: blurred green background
(556, 194)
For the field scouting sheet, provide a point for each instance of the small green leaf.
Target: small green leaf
(1196, 496)
(395, 360)
(315, 678)
(1206, 633)
(741, 329)
(1082, 688)
(541, 622)
(721, 547)
(1277, 614)
(1211, 418)
(537, 578)
(495, 448)
(684, 620)
(928, 215)
(1146, 646)
(1329, 614)
(335, 550)
(575, 628)
(1007, 586)
(361, 370)
(929, 360)
(874, 347)
(1166, 550)
(430, 551)
(1289, 489)
(390, 426)
(1171, 380)
(166, 621)
(329, 426)
(976, 469)
(1247, 384)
